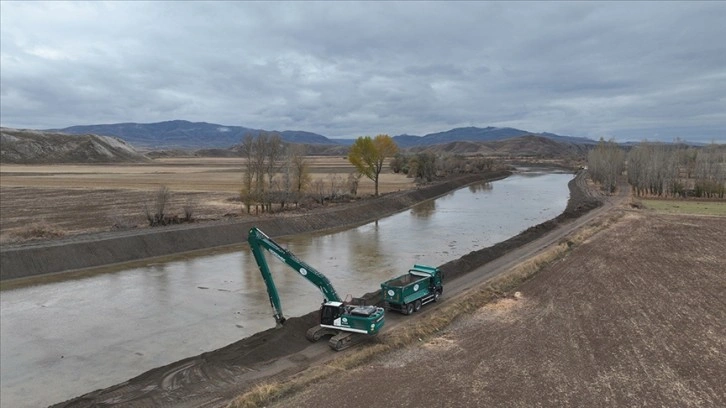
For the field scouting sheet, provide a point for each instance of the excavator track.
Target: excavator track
(340, 340)
(343, 340)
(317, 332)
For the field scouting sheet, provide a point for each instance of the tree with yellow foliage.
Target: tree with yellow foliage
(368, 154)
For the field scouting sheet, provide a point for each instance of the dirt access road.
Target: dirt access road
(213, 379)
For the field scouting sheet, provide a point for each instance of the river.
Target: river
(61, 338)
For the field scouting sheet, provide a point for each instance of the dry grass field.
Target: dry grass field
(674, 206)
(40, 201)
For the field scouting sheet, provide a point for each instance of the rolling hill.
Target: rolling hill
(475, 134)
(522, 146)
(38, 147)
(182, 134)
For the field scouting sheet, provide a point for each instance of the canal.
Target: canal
(64, 337)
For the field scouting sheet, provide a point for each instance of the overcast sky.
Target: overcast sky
(622, 70)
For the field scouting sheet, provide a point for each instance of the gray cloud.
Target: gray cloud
(624, 70)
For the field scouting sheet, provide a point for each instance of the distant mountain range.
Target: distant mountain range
(46, 147)
(182, 134)
(475, 134)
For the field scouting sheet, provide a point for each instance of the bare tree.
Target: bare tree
(422, 166)
(247, 151)
(710, 172)
(299, 173)
(336, 186)
(353, 182)
(188, 208)
(605, 164)
(273, 151)
(263, 158)
(319, 191)
(155, 212)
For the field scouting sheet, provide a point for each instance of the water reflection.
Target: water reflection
(115, 325)
(424, 209)
(480, 187)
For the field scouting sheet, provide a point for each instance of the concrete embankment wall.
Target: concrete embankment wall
(97, 250)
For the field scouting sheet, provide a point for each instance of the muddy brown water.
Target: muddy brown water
(64, 337)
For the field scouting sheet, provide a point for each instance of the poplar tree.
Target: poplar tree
(368, 154)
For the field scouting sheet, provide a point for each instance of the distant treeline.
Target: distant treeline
(663, 170)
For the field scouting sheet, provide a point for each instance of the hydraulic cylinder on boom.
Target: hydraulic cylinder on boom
(337, 318)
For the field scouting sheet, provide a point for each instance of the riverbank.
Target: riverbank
(109, 248)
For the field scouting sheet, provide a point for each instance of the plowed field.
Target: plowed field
(635, 316)
(47, 201)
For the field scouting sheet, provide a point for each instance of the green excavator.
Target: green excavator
(348, 323)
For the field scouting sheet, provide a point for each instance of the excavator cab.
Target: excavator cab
(330, 311)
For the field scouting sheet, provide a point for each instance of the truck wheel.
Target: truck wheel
(417, 305)
(409, 308)
(437, 294)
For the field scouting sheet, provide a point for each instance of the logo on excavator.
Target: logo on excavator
(303, 271)
(415, 287)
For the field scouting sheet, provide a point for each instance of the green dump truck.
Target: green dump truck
(407, 293)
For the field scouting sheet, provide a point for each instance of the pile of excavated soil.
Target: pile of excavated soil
(222, 372)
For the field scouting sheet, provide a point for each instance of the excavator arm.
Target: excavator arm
(259, 241)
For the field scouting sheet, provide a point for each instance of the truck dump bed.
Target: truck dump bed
(403, 280)
(408, 292)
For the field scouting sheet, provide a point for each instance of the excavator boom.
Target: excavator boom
(259, 241)
(345, 322)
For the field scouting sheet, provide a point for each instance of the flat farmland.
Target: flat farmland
(47, 200)
(634, 316)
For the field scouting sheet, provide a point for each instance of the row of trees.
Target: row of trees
(605, 164)
(677, 170)
(660, 169)
(368, 155)
(274, 172)
(426, 166)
